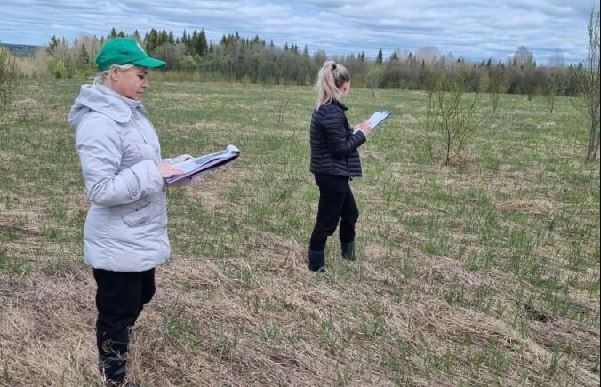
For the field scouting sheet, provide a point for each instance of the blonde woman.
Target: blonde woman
(125, 232)
(334, 161)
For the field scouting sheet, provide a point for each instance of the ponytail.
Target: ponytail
(330, 79)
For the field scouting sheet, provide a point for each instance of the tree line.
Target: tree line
(237, 58)
(446, 79)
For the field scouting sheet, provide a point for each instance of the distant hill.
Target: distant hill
(20, 49)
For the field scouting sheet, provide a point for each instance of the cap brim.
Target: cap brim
(149, 62)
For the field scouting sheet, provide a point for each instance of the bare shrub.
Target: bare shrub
(282, 107)
(590, 86)
(8, 78)
(450, 119)
(34, 66)
(497, 85)
(551, 89)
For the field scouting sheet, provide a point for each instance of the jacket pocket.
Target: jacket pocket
(138, 215)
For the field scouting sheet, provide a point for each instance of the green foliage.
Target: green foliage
(380, 58)
(243, 59)
(59, 70)
(188, 63)
(54, 43)
(67, 60)
(374, 76)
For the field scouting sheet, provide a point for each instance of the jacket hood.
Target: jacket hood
(101, 99)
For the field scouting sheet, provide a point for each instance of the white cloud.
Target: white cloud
(471, 28)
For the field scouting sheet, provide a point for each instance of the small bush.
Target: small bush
(450, 119)
(8, 78)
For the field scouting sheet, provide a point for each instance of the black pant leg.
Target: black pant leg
(348, 218)
(119, 301)
(332, 193)
(148, 287)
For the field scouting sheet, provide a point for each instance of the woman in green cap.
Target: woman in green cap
(125, 232)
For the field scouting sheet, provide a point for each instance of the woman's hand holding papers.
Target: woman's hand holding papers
(365, 127)
(197, 166)
(167, 169)
(179, 159)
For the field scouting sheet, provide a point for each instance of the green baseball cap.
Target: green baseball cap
(122, 51)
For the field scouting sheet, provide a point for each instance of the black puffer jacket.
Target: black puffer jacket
(333, 144)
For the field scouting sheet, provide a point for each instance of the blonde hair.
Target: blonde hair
(330, 79)
(100, 77)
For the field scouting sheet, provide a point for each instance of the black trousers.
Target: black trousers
(336, 206)
(120, 298)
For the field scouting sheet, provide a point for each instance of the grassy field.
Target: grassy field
(481, 273)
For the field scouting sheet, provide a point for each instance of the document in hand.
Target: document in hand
(196, 166)
(377, 118)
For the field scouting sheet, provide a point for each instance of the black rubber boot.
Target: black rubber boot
(316, 260)
(113, 370)
(126, 384)
(347, 250)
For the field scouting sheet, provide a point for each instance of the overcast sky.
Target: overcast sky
(475, 29)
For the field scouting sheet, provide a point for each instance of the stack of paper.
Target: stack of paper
(377, 118)
(196, 166)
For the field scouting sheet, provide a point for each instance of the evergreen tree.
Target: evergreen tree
(136, 36)
(54, 42)
(380, 58)
(84, 56)
(200, 45)
(239, 58)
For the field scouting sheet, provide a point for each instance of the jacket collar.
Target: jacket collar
(342, 106)
(335, 102)
(106, 101)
